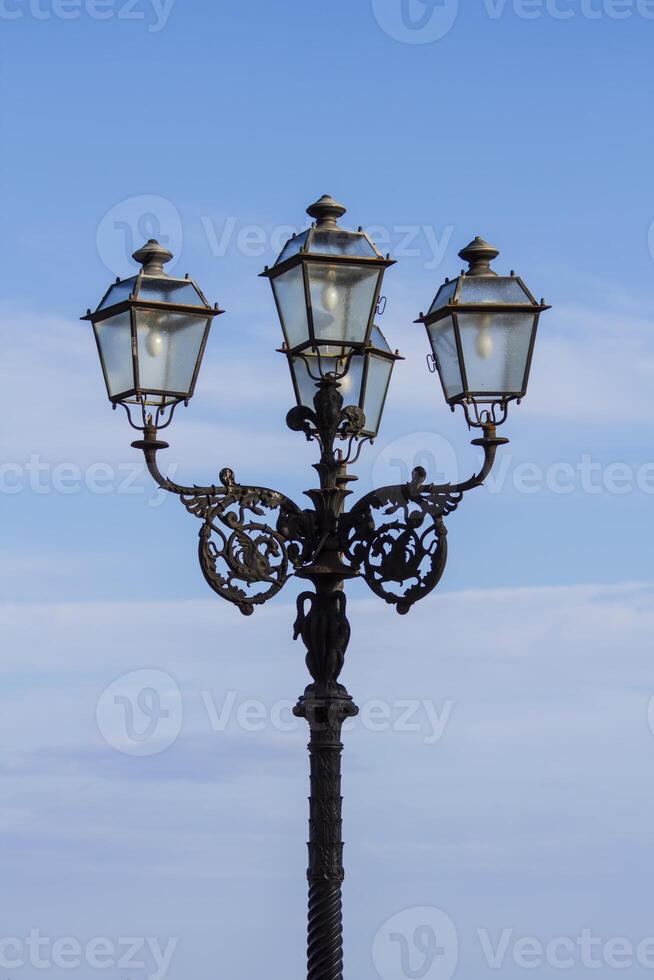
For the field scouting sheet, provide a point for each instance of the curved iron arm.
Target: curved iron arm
(489, 443)
(243, 558)
(403, 557)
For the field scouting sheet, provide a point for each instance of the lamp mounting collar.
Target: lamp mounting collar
(326, 211)
(152, 257)
(479, 255)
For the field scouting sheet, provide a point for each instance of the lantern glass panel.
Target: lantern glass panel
(114, 337)
(350, 385)
(342, 301)
(378, 340)
(379, 376)
(118, 293)
(291, 302)
(495, 350)
(341, 242)
(443, 343)
(492, 289)
(180, 292)
(293, 246)
(169, 347)
(306, 386)
(444, 295)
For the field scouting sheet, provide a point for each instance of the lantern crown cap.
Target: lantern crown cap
(152, 257)
(479, 255)
(326, 211)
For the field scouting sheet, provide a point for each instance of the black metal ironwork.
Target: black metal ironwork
(326, 285)
(394, 538)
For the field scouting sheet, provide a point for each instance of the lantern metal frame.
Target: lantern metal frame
(479, 254)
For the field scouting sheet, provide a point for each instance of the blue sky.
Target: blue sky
(212, 126)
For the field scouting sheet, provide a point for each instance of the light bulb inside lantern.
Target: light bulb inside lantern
(484, 340)
(155, 343)
(330, 297)
(346, 382)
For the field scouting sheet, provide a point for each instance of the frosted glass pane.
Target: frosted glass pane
(443, 343)
(444, 295)
(168, 349)
(292, 247)
(342, 300)
(490, 289)
(495, 350)
(114, 338)
(378, 340)
(118, 293)
(379, 376)
(350, 385)
(342, 242)
(161, 290)
(306, 384)
(289, 294)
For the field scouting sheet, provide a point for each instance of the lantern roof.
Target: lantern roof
(153, 285)
(325, 238)
(480, 287)
(379, 342)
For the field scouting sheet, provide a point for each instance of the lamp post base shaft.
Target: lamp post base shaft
(325, 936)
(325, 716)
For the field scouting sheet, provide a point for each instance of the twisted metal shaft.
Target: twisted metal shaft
(325, 942)
(325, 715)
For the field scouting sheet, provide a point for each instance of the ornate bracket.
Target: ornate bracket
(396, 537)
(244, 558)
(327, 420)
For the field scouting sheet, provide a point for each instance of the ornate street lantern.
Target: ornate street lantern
(482, 329)
(151, 331)
(326, 284)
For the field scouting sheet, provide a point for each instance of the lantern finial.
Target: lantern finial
(326, 211)
(479, 255)
(152, 257)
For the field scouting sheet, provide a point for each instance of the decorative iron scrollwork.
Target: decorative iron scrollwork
(243, 558)
(328, 419)
(396, 537)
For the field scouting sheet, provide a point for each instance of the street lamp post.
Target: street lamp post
(151, 331)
